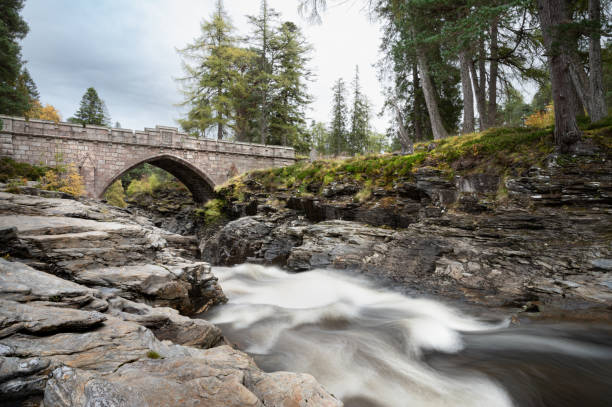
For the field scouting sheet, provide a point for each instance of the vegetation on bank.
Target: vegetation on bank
(505, 151)
(61, 177)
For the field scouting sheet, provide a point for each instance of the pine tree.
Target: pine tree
(338, 132)
(289, 94)
(92, 110)
(209, 66)
(360, 119)
(17, 89)
(262, 37)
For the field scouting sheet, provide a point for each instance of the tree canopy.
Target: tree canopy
(92, 110)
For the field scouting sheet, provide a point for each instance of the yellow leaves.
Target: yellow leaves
(62, 179)
(48, 112)
(542, 119)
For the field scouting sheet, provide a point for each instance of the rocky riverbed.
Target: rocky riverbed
(541, 244)
(94, 310)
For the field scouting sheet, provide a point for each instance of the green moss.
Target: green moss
(153, 355)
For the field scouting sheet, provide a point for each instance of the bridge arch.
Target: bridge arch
(199, 184)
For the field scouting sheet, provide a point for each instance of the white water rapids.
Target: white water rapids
(371, 346)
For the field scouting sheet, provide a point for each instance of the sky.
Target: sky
(126, 50)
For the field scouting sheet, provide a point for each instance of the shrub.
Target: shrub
(115, 195)
(143, 186)
(10, 169)
(63, 178)
(213, 211)
(543, 118)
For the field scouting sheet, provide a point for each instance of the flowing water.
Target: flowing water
(372, 346)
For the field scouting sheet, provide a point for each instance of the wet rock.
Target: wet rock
(167, 323)
(190, 288)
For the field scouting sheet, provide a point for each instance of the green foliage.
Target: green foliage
(500, 150)
(115, 195)
(212, 211)
(144, 171)
(143, 186)
(338, 134)
(17, 89)
(10, 168)
(251, 92)
(514, 109)
(92, 110)
(357, 138)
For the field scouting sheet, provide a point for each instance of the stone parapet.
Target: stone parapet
(159, 136)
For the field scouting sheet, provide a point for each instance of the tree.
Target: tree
(92, 110)
(48, 112)
(514, 109)
(209, 66)
(320, 138)
(360, 119)
(553, 18)
(262, 38)
(288, 91)
(338, 130)
(17, 89)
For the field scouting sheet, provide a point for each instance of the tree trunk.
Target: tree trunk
(580, 81)
(479, 86)
(598, 101)
(482, 79)
(493, 74)
(552, 14)
(404, 136)
(418, 113)
(468, 95)
(430, 97)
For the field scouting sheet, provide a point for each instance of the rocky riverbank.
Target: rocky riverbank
(535, 238)
(94, 310)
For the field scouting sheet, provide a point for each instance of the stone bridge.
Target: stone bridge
(103, 155)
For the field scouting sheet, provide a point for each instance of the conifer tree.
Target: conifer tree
(360, 119)
(289, 93)
(209, 66)
(262, 37)
(338, 131)
(92, 110)
(17, 89)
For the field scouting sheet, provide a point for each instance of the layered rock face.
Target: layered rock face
(93, 305)
(545, 242)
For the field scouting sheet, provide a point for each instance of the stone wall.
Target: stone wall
(102, 155)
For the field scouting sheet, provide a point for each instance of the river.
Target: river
(372, 346)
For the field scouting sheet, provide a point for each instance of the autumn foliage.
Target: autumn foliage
(543, 118)
(65, 179)
(48, 112)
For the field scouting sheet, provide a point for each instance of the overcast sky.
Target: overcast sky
(126, 49)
